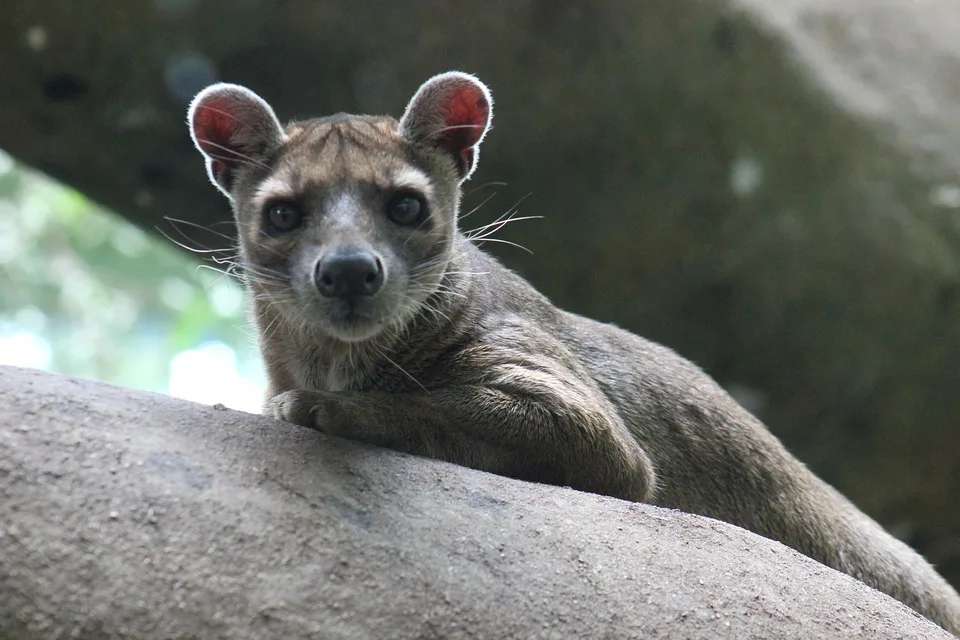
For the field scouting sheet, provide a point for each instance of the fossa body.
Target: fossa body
(379, 320)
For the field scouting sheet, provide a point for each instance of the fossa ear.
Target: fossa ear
(232, 126)
(452, 112)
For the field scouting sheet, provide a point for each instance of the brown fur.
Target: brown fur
(460, 359)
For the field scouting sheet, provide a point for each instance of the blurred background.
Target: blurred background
(770, 188)
(87, 293)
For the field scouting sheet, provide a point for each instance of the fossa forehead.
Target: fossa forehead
(342, 150)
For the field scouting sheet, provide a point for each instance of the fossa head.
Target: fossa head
(346, 223)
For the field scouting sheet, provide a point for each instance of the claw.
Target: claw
(298, 406)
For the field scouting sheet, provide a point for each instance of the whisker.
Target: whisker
(235, 155)
(484, 186)
(495, 226)
(201, 249)
(477, 208)
(171, 219)
(250, 267)
(271, 329)
(466, 273)
(451, 292)
(222, 272)
(439, 288)
(512, 244)
(402, 370)
(505, 218)
(436, 312)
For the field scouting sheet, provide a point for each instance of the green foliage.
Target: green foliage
(85, 293)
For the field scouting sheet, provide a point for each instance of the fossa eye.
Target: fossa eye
(407, 209)
(283, 216)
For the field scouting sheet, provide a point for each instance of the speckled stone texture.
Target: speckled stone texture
(133, 515)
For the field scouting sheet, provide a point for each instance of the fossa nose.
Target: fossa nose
(348, 273)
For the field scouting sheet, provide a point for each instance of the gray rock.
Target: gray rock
(134, 515)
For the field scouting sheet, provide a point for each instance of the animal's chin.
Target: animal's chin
(348, 322)
(356, 331)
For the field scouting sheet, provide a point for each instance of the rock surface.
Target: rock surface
(768, 187)
(133, 515)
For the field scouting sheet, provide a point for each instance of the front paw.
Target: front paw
(298, 406)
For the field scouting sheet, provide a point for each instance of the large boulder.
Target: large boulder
(133, 515)
(768, 187)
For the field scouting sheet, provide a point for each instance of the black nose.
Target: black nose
(348, 274)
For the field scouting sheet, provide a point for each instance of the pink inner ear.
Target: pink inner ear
(466, 113)
(214, 125)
